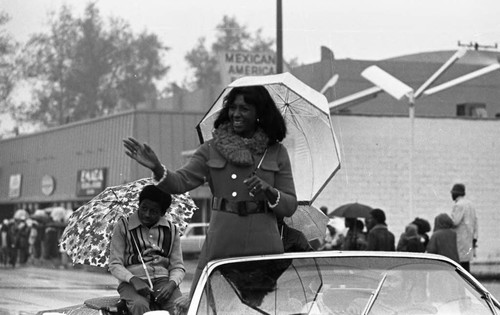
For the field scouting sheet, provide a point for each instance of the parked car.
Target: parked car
(193, 238)
(331, 282)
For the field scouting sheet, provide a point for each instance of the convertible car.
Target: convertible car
(331, 282)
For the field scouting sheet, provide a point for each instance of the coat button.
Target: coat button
(234, 176)
(234, 194)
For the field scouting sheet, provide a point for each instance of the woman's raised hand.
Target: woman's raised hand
(142, 153)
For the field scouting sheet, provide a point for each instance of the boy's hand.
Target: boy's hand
(164, 292)
(140, 286)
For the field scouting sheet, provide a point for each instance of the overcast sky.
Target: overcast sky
(351, 29)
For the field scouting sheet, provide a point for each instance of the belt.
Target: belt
(241, 208)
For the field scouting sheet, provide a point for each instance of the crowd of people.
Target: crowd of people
(33, 238)
(455, 234)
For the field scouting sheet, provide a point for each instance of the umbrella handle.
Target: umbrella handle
(143, 264)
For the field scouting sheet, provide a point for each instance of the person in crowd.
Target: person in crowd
(379, 237)
(147, 240)
(464, 219)
(410, 240)
(355, 238)
(5, 242)
(443, 240)
(33, 235)
(52, 234)
(248, 171)
(37, 235)
(423, 227)
(333, 240)
(19, 232)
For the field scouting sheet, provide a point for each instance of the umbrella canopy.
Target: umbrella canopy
(351, 210)
(58, 214)
(310, 221)
(40, 216)
(310, 139)
(21, 214)
(87, 236)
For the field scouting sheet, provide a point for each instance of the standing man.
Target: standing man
(147, 240)
(464, 219)
(379, 237)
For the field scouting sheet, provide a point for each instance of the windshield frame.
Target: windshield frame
(430, 258)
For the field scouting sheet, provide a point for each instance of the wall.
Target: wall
(375, 170)
(61, 152)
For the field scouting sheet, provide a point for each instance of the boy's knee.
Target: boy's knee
(138, 306)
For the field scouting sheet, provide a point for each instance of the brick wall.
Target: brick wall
(375, 170)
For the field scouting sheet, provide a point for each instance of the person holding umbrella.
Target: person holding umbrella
(379, 237)
(249, 173)
(146, 256)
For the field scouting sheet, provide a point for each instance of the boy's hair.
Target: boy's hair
(153, 193)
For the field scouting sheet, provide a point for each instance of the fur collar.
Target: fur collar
(238, 150)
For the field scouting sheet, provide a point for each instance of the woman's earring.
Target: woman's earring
(258, 121)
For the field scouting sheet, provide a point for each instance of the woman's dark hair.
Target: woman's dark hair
(270, 118)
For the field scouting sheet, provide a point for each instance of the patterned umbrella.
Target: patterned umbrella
(87, 236)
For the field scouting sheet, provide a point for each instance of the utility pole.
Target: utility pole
(279, 37)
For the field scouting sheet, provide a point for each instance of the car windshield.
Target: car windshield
(342, 285)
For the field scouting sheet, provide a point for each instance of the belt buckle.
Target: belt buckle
(242, 209)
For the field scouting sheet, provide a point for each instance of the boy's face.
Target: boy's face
(149, 212)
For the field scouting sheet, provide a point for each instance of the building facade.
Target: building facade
(67, 166)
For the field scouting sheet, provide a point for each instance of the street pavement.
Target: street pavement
(30, 289)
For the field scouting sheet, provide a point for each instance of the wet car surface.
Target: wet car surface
(337, 283)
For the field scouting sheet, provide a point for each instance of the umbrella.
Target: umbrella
(40, 216)
(310, 139)
(21, 214)
(87, 236)
(58, 214)
(351, 210)
(310, 220)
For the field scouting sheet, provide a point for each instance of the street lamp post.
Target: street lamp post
(398, 90)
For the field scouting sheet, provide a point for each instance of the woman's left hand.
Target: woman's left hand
(256, 185)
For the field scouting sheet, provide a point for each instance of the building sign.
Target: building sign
(48, 185)
(15, 185)
(90, 182)
(237, 64)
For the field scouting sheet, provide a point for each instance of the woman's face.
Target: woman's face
(243, 117)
